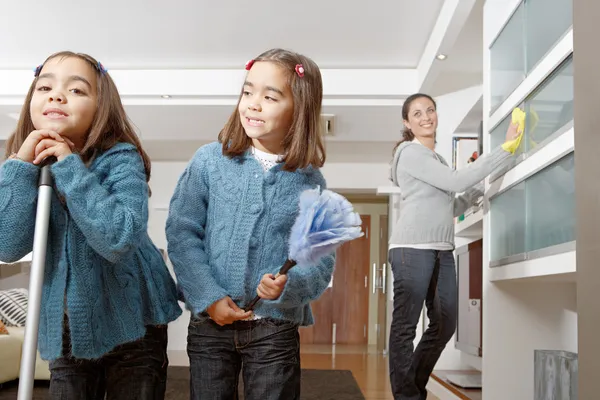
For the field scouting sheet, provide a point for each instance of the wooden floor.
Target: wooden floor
(369, 368)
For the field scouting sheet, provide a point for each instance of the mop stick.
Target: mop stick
(40, 240)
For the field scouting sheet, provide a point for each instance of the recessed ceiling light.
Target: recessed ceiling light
(165, 96)
(441, 57)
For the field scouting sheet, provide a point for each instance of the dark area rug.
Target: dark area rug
(316, 385)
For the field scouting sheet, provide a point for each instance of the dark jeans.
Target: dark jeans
(420, 276)
(132, 371)
(268, 349)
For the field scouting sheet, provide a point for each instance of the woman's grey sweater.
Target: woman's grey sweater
(428, 189)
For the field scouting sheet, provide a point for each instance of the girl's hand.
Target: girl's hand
(270, 287)
(51, 147)
(27, 151)
(225, 312)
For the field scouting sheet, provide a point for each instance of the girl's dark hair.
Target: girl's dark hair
(407, 135)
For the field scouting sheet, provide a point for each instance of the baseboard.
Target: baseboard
(440, 391)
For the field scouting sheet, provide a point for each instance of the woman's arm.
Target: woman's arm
(418, 161)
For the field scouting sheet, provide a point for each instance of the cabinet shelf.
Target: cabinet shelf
(555, 268)
(471, 226)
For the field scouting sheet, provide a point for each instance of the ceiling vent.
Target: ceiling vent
(328, 121)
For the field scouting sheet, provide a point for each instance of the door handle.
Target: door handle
(374, 280)
(383, 274)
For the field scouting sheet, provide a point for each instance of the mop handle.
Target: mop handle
(284, 270)
(36, 279)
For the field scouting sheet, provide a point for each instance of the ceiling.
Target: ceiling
(218, 34)
(198, 34)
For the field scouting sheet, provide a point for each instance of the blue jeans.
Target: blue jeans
(131, 371)
(427, 276)
(268, 350)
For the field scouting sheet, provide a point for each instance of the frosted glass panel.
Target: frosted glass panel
(550, 107)
(550, 197)
(536, 213)
(532, 31)
(547, 22)
(507, 223)
(507, 58)
(498, 134)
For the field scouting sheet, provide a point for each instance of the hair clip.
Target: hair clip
(37, 70)
(300, 70)
(101, 68)
(249, 64)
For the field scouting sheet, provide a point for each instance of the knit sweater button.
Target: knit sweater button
(270, 179)
(255, 208)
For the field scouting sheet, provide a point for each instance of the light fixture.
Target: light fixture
(165, 96)
(441, 57)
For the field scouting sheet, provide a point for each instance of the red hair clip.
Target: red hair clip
(249, 65)
(300, 70)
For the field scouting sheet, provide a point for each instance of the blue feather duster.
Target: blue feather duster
(325, 221)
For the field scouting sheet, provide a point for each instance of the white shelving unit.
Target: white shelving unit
(471, 227)
(529, 299)
(556, 268)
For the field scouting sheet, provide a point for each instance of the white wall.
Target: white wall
(14, 276)
(452, 110)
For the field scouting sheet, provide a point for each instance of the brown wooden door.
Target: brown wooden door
(476, 282)
(321, 332)
(346, 303)
(351, 289)
(382, 277)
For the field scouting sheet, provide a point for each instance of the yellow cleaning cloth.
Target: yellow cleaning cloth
(518, 117)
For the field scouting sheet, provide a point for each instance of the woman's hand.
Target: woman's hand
(512, 132)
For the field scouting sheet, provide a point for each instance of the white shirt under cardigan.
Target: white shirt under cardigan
(428, 194)
(267, 160)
